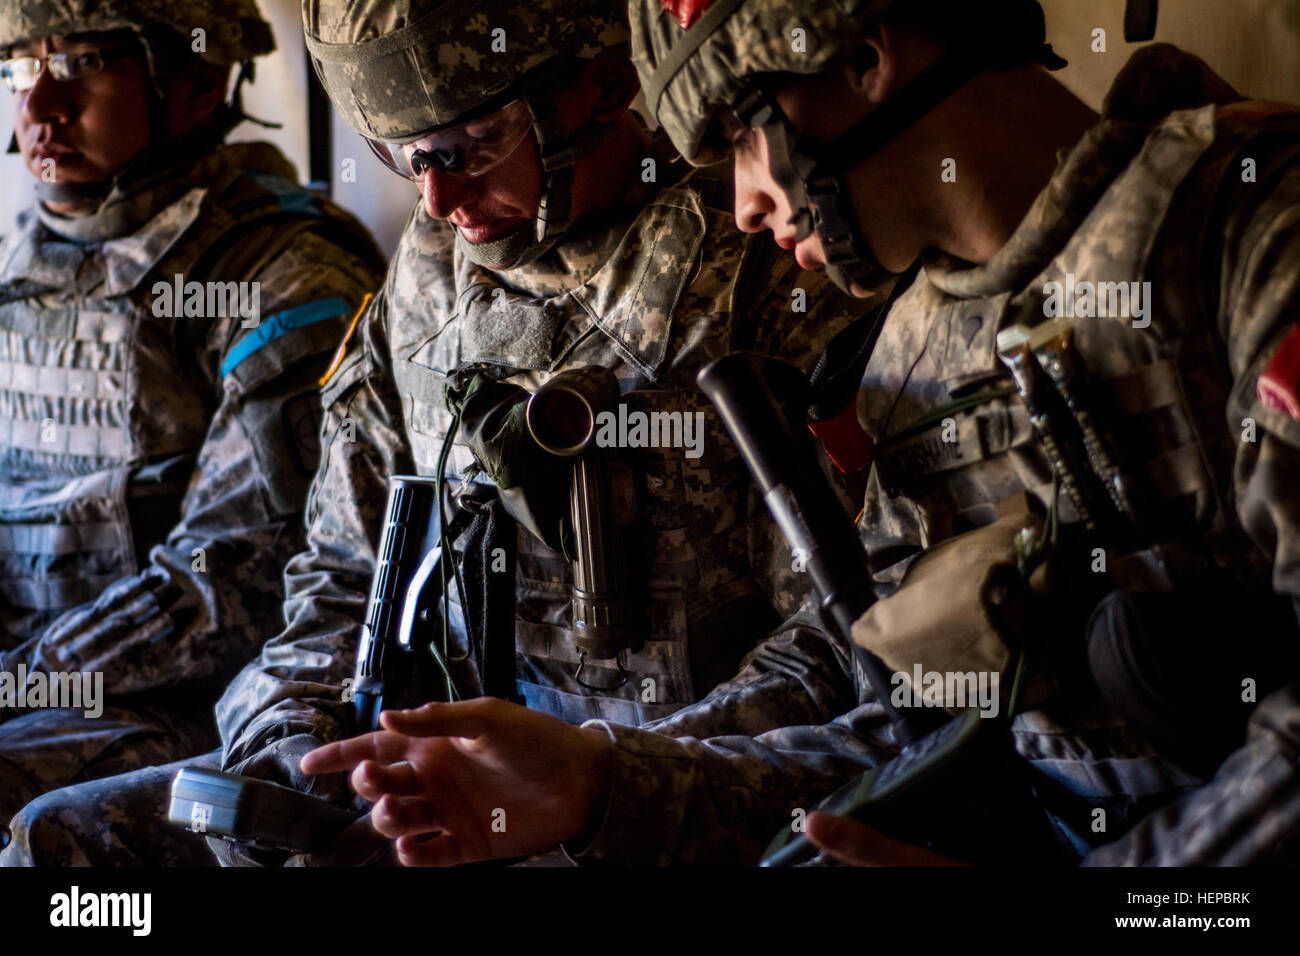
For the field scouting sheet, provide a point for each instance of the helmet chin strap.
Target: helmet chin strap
(813, 174)
(558, 151)
(514, 249)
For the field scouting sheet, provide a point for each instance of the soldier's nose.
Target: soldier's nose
(443, 193)
(752, 203)
(49, 101)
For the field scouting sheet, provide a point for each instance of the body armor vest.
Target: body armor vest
(104, 404)
(693, 551)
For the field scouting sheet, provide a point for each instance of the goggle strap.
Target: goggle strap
(817, 168)
(556, 148)
(934, 85)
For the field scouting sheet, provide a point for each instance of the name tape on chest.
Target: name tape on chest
(952, 443)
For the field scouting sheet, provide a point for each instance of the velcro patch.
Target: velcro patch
(301, 418)
(1279, 386)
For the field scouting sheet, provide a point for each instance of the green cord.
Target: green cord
(439, 652)
(446, 543)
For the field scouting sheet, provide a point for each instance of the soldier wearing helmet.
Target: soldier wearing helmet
(552, 233)
(166, 308)
(144, 51)
(1095, 348)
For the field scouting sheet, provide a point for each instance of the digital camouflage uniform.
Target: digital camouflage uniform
(153, 469)
(1154, 192)
(650, 289)
(647, 297)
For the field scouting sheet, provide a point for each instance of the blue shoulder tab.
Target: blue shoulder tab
(282, 323)
(291, 196)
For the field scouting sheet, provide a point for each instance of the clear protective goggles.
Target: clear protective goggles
(470, 148)
(21, 73)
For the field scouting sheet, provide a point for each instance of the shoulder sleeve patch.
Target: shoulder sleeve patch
(281, 324)
(290, 196)
(347, 340)
(1279, 385)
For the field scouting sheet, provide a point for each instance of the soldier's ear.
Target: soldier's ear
(200, 86)
(871, 66)
(618, 87)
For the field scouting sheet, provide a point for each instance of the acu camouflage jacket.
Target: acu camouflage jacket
(1155, 193)
(649, 293)
(154, 460)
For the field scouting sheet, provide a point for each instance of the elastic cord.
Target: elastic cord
(834, 387)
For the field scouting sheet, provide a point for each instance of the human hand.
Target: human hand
(476, 780)
(857, 844)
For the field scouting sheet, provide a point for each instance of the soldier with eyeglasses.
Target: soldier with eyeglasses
(155, 449)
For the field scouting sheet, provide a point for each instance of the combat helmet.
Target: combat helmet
(699, 57)
(222, 32)
(407, 72)
(233, 31)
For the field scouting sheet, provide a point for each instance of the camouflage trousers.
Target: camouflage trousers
(114, 821)
(60, 765)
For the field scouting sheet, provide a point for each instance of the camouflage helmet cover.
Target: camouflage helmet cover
(685, 85)
(695, 56)
(396, 69)
(234, 30)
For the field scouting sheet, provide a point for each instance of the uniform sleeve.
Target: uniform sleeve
(714, 782)
(290, 698)
(798, 675)
(1249, 813)
(794, 725)
(720, 801)
(211, 594)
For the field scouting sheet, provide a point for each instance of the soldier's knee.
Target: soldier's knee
(40, 835)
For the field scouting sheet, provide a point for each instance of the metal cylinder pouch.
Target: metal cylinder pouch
(959, 613)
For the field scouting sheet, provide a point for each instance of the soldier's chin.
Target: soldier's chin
(498, 254)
